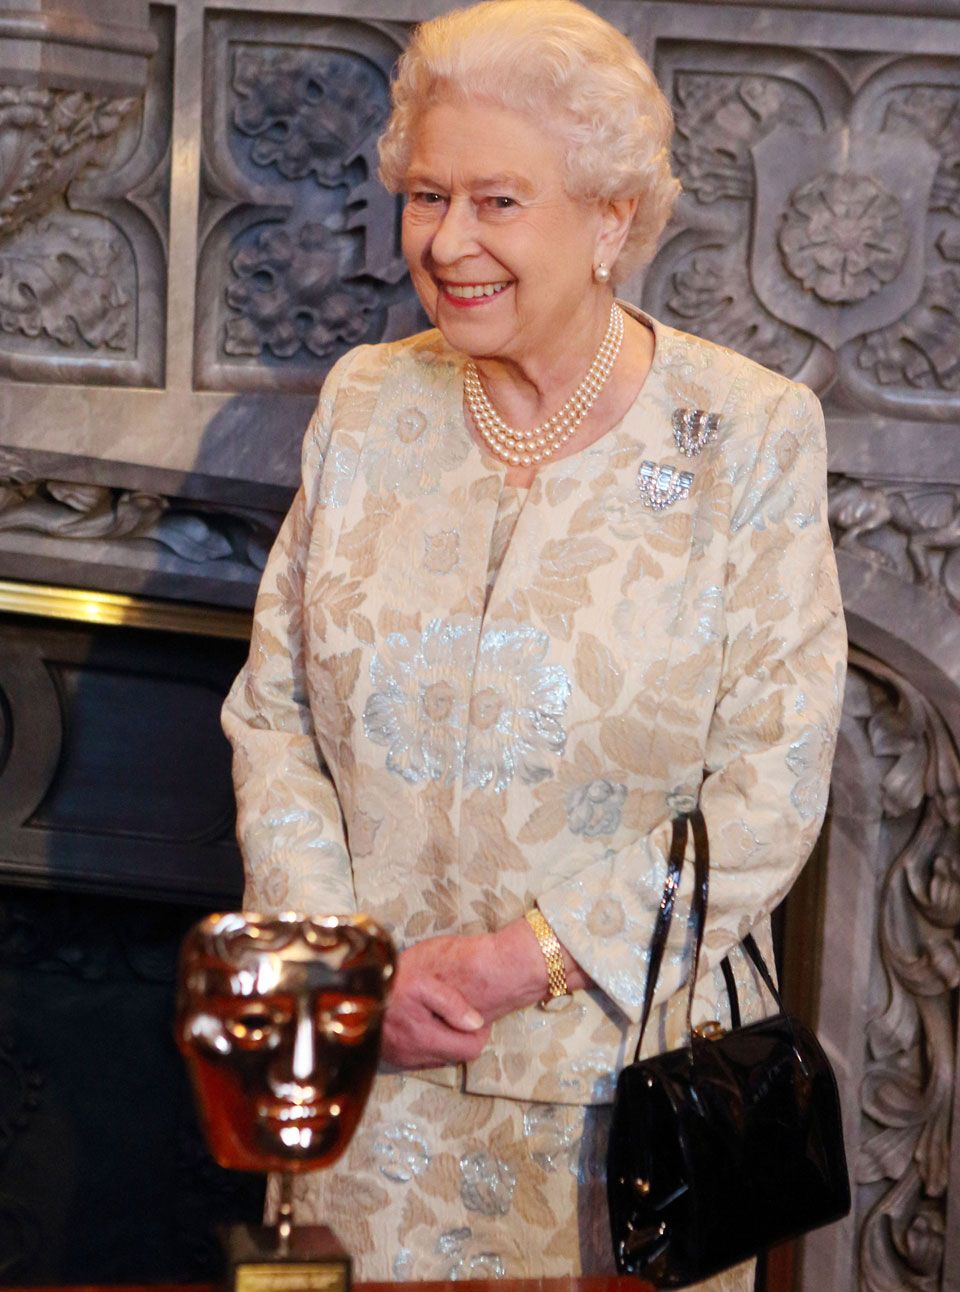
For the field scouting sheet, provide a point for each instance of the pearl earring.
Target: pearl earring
(601, 273)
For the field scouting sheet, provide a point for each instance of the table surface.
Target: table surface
(605, 1284)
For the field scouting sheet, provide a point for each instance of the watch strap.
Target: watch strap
(552, 954)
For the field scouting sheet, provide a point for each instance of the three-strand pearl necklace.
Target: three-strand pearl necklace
(528, 448)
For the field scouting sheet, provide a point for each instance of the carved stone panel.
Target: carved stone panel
(893, 1013)
(298, 252)
(820, 227)
(83, 275)
(150, 536)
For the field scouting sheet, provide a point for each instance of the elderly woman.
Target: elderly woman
(554, 572)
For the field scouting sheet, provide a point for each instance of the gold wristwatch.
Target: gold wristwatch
(560, 995)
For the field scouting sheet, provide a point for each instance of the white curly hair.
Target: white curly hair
(552, 60)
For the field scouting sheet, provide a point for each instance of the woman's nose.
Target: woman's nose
(455, 237)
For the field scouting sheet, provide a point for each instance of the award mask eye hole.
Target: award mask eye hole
(255, 1029)
(349, 1022)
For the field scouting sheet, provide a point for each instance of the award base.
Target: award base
(310, 1259)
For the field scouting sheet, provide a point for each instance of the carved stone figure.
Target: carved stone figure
(913, 530)
(65, 509)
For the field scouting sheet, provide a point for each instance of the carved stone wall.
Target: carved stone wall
(72, 80)
(819, 232)
(293, 264)
(166, 321)
(842, 268)
(893, 967)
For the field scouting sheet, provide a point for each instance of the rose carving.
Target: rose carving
(843, 236)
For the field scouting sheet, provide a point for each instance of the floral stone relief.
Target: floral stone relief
(309, 112)
(46, 138)
(307, 286)
(843, 236)
(63, 277)
(838, 255)
(850, 189)
(902, 1167)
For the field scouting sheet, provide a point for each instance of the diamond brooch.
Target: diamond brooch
(662, 486)
(693, 430)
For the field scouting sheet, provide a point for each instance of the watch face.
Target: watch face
(554, 1004)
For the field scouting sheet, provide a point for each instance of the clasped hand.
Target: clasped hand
(448, 990)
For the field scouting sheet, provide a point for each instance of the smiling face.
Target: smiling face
(279, 1021)
(501, 257)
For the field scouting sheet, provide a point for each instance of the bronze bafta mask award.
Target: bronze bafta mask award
(279, 1018)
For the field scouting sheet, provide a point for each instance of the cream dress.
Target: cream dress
(441, 747)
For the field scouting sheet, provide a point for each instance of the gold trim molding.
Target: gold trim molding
(82, 605)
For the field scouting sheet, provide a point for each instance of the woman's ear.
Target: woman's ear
(616, 217)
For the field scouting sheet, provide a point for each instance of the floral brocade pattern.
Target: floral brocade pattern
(513, 717)
(459, 701)
(439, 1185)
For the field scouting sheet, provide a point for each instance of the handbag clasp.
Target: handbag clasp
(711, 1030)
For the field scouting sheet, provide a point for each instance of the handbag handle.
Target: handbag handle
(698, 915)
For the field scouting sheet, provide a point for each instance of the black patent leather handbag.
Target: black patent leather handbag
(729, 1145)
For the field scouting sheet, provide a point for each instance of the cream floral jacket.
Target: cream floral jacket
(407, 745)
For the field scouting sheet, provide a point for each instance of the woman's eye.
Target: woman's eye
(424, 198)
(501, 203)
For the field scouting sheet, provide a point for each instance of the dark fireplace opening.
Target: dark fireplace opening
(104, 1176)
(116, 834)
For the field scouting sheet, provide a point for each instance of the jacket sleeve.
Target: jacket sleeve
(289, 823)
(770, 742)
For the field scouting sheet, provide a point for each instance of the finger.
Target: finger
(448, 1004)
(428, 1042)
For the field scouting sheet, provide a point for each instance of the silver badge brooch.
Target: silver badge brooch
(693, 430)
(662, 486)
